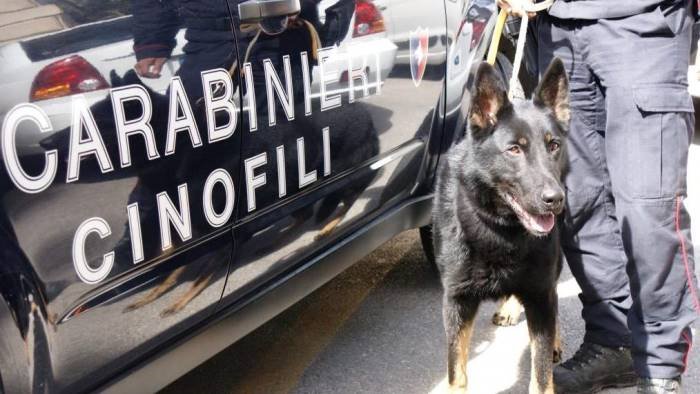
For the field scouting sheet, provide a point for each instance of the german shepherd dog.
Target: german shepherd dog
(498, 195)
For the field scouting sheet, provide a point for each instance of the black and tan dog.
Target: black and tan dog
(498, 195)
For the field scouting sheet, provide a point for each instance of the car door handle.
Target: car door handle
(253, 11)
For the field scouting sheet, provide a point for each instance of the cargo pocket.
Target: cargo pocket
(654, 24)
(659, 141)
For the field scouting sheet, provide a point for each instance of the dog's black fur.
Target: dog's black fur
(511, 160)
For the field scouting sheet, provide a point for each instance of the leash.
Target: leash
(520, 46)
(253, 27)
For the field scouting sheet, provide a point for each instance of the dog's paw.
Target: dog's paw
(558, 354)
(456, 390)
(505, 320)
(171, 310)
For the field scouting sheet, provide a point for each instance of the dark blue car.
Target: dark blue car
(177, 172)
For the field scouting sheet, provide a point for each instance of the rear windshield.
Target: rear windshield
(78, 39)
(52, 28)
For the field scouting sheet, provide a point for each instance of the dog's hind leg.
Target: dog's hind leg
(558, 351)
(541, 312)
(508, 311)
(458, 316)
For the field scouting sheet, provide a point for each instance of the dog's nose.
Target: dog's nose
(553, 198)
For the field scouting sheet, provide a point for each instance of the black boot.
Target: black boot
(659, 386)
(593, 368)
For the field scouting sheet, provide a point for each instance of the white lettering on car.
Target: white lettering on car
(92, 145)
(132, 212)
(139, 126)
(250, 94)
(306, 77)
(85, 272)
(222, 177)
(24, 181)
(178, 217)
(357, 73)
(281, 173)
(273, 84)
(179, 102)
(221, 114)
(305, 178)
(332, 101)
(222, 103)
(326, 151)
(253, 181)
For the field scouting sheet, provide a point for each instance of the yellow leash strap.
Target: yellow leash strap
(496, 37)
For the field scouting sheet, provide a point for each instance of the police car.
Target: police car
(150, 219)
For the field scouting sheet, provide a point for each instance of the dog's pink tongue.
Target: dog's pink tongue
(545, 222)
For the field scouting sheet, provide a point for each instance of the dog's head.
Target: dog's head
(519, 147)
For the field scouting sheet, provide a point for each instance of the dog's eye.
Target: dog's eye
(554, 146)
(514, 150)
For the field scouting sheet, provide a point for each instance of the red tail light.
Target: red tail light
(477, 31)
(65, 77)
(368, 19)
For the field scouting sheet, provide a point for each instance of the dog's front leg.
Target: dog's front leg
(558, 349)
(541, 313)
(458, 316)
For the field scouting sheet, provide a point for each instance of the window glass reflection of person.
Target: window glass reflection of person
(209, 40)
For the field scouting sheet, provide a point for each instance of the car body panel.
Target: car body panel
(239, 319)
(377, 140)
(148, 321)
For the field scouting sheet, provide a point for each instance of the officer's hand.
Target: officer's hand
(515, 7)
(150, 67)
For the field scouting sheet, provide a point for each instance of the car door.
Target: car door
(339, 108)
(118, 191)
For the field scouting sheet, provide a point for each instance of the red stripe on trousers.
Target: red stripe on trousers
(684, 254)
(686, 356)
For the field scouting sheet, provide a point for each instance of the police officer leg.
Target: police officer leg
(591, 236)
(642, 62)
(647, 153)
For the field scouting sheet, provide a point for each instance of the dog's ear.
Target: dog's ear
(489, 98)
(553, 92)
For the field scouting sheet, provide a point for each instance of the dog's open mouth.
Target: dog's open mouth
(536, 224)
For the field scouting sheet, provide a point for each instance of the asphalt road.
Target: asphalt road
(377, 329)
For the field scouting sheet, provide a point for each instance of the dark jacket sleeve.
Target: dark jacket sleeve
(155, 24)
(338, 17)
